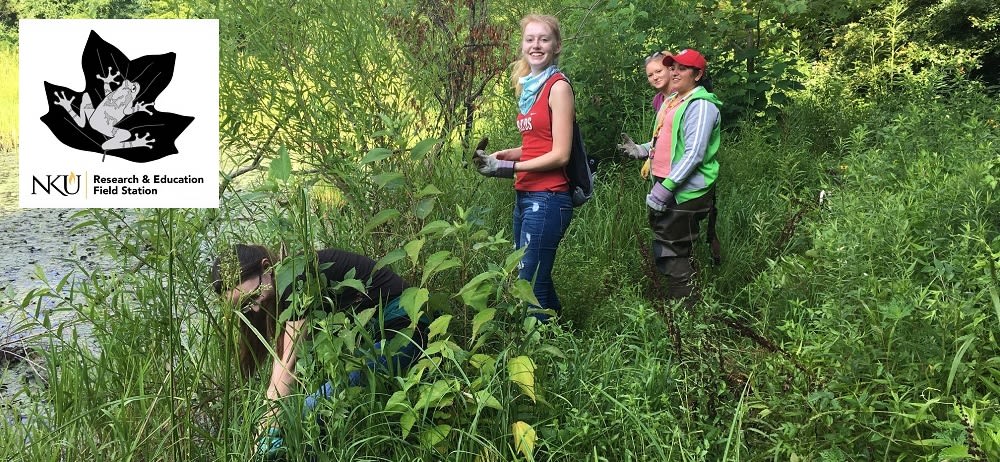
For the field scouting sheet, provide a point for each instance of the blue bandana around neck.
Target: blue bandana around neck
(531, 85)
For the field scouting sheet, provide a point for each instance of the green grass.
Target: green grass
(8, 126)
(8, 97)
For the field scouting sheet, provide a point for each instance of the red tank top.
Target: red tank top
(536, 140)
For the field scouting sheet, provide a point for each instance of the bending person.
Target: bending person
(246, 279)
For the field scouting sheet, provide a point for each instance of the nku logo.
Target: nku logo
(116, 114)
(64, 185)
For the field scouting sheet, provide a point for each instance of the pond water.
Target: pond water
(33, 243)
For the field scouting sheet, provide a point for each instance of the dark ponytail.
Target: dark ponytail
(706, 80)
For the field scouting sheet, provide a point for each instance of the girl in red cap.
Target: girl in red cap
(684, 170)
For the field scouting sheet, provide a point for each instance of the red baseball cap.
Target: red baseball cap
(688, 57)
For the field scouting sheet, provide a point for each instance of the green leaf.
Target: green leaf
(522, 372)
(281, 166)
(390, 258)
(429, 190)
(436, 263)
(424, 207)
(434, 395)
(480, 319)
(412, 249)
(364, 316)
(434, 227)
(407, 420)
(412, 299)
(958, 359)
(350, 283)
(476, 292)
(553, 350)
(422, 148)
(523, 291)
(388, 180)
(434, 436)
(439, 326)
(287, 271)
(381, 218)
(954, 452)
(513, 259)
(376, 155)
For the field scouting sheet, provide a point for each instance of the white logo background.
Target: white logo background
(51, 50)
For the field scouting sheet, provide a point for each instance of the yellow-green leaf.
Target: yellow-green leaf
(439, 326)
(522, 372)
(480, 360)
(524, 439)
(412, 299)
(398, 402)
(407, 420)
(412, 249)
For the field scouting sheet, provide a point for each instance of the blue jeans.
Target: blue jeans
(540, 221)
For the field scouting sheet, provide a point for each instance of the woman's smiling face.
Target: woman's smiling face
(683, 78)
(539, 46)
(657, 74)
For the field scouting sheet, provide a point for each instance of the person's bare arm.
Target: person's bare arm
(282, 370)
(562, 105)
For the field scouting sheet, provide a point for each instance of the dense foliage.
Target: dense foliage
(854, 316)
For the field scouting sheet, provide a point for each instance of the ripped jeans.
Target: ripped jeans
(540, 221)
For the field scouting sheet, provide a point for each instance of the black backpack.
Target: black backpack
(578, 170)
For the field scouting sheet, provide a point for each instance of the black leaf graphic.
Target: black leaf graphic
(119, 116)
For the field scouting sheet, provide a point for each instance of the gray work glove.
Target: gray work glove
(632, 150)
(491, 166)
(660, 198)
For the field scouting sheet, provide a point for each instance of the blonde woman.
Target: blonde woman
(543, 207)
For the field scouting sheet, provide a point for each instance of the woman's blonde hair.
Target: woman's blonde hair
(521, 68)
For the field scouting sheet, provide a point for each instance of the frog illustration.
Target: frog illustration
(115, 106)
